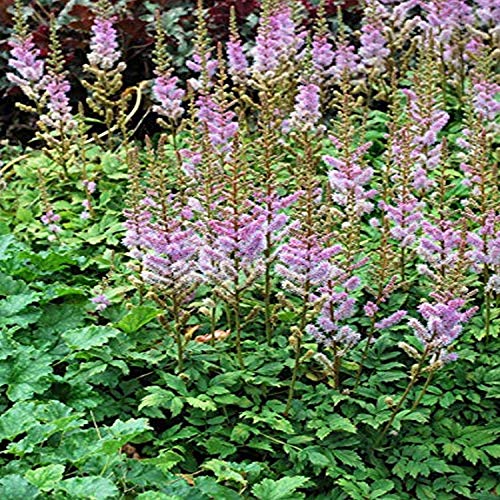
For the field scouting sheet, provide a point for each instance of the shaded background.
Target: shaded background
(135, 26)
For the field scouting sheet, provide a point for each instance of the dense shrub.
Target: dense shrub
(289, 291)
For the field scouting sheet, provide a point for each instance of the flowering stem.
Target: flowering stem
(405, 394)
(178, 336)
(336, 367)
(403, 264)
(423, 391)
(237, 327)
(267, 296)
(298, 348)
(487, 304)
(364, 355)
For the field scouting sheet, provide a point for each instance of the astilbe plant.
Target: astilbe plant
(46, 85)
(268, 195)
(444, 321)
(106, 71)
(161, 235)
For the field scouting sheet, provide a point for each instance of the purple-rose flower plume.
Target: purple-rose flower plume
(348, 179)
(305, 264)
(220, 124)
(322, 55)
(444, 322)
(237, 61)
(306, 113)
(373, 51)
(30, 69)
(58, 115)
(276, 43)
(104, 51)
(169, 96)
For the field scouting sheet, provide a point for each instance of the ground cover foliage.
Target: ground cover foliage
(290, 292)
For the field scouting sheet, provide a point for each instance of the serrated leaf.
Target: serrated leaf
(174, 382)
(26, 375)
(348, 457)
(16, 303)
(224, 471)
(220, 447)
(166, 460)
(493, 450)
(201, 402)
(240, 433)
(176, 406)
(157, 397)
(120, 433)
(46, 478)
(89, 488)
(381, 487)
(15, 487)
(473, 455)
(137, 318)
(282, 489)
(16, 420)
(153, 495)
(89, 337)
(451, 449)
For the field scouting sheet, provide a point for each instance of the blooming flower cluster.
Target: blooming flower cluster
(220, 124)
(58, 115)
(167, 92)
(24, 58)
(349, 179)
(444, 322)
(276, 43)
(306, 113)
(104, 52)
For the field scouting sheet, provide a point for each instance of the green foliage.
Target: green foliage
(95, 404)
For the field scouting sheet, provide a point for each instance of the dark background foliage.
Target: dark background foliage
(136, 28)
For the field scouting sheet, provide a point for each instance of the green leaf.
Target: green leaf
(157, 398)
(381, 487)
(493, 450)
(6, 241)
(26, 375)
(282, 489)
(220, 447)
(154, 495)
(166, 460)
(202, 402)
(46, 478)
(89, 337)
(425, 492)
(175, 382)
(348, 457)
(137, 318)
(16, 303)
(224, 471)
(89, 488)
(120, 433)
(450, 449)
(240, 433)
(15, 487)
(176, 406)
(16, 420)
(471, 454)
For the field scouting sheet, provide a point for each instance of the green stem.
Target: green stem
(237, 327)
(267, 293)
(405, 394)
(178, 337)
(364, 355)
(423, 391)
(291, 389)
(298, 347)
